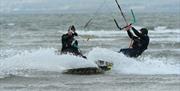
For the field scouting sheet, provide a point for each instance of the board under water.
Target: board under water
(84, 71)
(103, 66)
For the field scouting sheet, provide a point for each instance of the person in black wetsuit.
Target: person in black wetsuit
(140, 42)
(69, 43)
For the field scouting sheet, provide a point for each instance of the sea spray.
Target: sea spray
(126, 65)
(42, 60)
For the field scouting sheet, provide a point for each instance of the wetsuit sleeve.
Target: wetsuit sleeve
(136, 32)
(130, 34)
(75, 44)
(64, 40)
(75, 34)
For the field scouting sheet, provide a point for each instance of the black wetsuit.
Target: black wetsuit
(140, 44)
(70, 45)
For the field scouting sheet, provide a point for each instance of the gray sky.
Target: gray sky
(64, 6)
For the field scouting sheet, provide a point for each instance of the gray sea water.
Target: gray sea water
(28, 59)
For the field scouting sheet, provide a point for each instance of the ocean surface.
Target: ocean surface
(29, 59)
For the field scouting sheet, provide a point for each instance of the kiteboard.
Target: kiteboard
(102, 67)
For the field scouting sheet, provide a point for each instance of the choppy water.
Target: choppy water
(28, 60)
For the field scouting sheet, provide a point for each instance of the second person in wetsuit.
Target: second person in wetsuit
(69, 43)
(140, 42)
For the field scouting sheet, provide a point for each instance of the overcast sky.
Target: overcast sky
(64, 6)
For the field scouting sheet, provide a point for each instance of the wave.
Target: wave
(98, 33)
(48, 60)
(41, 60)
(143, 65)
(116, 32)
(160, 28)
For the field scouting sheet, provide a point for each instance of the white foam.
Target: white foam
(125, 65)
(97, 39)
(99, 33)
(160, 28)
(43, 60)
(47, 60)
(11, 24)
(167, 40)
(165, 30)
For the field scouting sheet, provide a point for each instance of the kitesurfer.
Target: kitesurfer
(140, 42)
(69, 43)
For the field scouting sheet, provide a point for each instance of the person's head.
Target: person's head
(72, 30)
(144, 31)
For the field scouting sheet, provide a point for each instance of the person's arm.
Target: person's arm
(136, 32)
(75, 44)
(64, 40)
(130, 34)
(75, 34)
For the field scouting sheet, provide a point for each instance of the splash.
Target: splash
(48, 60)
(125, 65)
(42, 60)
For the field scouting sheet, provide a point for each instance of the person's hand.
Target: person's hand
(128, 27)
(75, 34)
